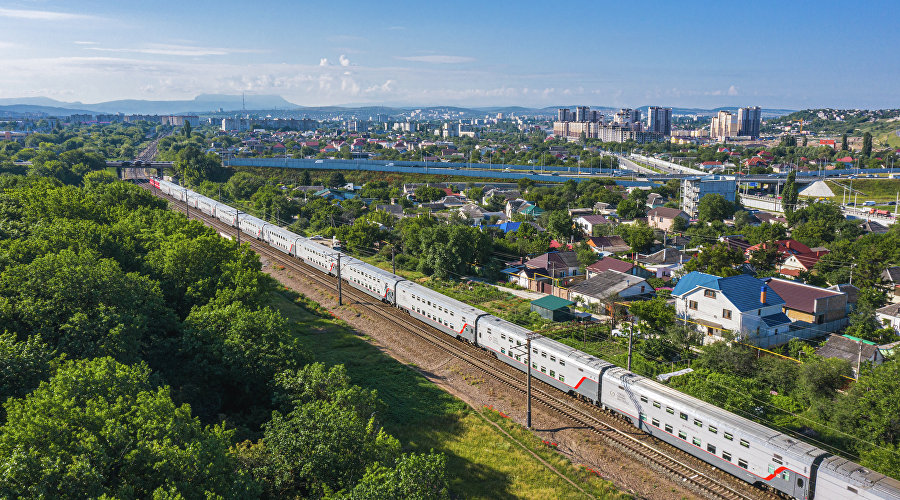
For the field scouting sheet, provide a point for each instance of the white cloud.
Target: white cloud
(344, 61)
(732, 90)
(323, 61)
(175, 50)
(42, 15)
(83, 42)
(438, 59)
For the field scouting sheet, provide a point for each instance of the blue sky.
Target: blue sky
(688, 54)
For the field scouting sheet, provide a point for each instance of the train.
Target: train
(743, 448)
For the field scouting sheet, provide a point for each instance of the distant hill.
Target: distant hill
(211, 103)
(200, 104)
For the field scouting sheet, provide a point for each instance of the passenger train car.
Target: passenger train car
(741, 447)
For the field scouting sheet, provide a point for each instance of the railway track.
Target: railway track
(695, 474)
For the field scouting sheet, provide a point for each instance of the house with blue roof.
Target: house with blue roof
(741, 304)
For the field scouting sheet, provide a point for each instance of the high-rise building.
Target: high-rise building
(563, 115)
(749, 121)
(693, 189)
(659, 120)
(581, 113)
(723, 125)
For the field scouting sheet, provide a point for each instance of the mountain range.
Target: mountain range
(211, 103)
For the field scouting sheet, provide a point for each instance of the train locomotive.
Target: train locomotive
(741, 447)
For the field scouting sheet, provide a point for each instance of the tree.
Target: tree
(654, 314)
(23, 365)
(195, 167)
(719, 260)
(242, 185)
(524, 184)
(679, 224)
(714, 207)
(629, 208)
(425, 194)
(97, 178)
(186, 129)
(305, 178)
(844, 145)
(416, 476)
(867, 145)
(101, 428)
(336, 179)
(639, 236)
(820, 380)
(789, 194)
(559, 225)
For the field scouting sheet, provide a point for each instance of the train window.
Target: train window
(562, 362)
(643, 416)
(543, 354)
(451, 314)
(643, 399)
(777, 460)
(711, 448)
(742, 463)
(535, 351)
(786, 475)
(683, 416)
(543, 369)
(799, 482)
(562, 378)
(726, 456)
(656, 404)
(698, 423)
(668, 428)
(552, 373)
(503, 336)
(655, 422)
(552, 358)
(518, 342)
(744, 443)
(534, 365)
(712, 429)
(851, 489)
(489, 331)
(728, 436)
(771, 469)
(429, 302)
(503, 350)
(696, 442)
(682, 435)
(518, 357)
(670, 410)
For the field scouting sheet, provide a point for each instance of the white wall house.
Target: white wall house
(741, 304)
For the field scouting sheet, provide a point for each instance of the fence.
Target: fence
(798, 331)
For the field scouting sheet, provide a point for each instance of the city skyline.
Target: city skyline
(781, 55)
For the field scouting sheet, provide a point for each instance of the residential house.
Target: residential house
(804, 262)
(811, 304)
(664, 263)
(655, 200)
(852, 294)
(851, 349)
(609, 263)
(530, 278)
(587, 223)
(610, 283)
(335, 194)
(513, 206)
(395, 210)
(889, 316)
(784, 247)
(891, 277)
(664, 217)
(559, 264)
(608, 244)
(771, 218)
(506, 194)
(603, 208)
(740, 304)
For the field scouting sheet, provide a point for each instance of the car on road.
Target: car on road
(320, 161)
(391, 164)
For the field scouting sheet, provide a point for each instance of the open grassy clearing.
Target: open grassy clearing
(482, 462)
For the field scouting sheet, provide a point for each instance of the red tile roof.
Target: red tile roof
(608, 263)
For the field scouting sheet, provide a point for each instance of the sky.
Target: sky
(783, 54)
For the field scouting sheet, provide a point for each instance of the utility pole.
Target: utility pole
(859, 361)
(851, 274)
(528, 397)
(393, 267)
(187, 206)
(630, 338)
(237, 218)
(340, 297)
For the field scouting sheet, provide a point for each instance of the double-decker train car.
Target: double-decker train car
(316, 255)
(436, 309)
(253, 226)
(732, 443)
(281, 238)
(840, 478)
(563, 367)
(370, 279)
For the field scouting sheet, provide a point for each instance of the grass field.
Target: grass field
(880, 191)
(482, 461)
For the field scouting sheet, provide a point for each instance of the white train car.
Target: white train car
(552, 362)
(281, 238)
(207, 205)
(739, 446)
(227, 215)
(435, 309)
(316, 255)
(251, 225)
(370, 279)
(840, 478)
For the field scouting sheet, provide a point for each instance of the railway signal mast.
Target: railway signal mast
(531, 336)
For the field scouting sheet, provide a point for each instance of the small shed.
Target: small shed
(553, 308)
